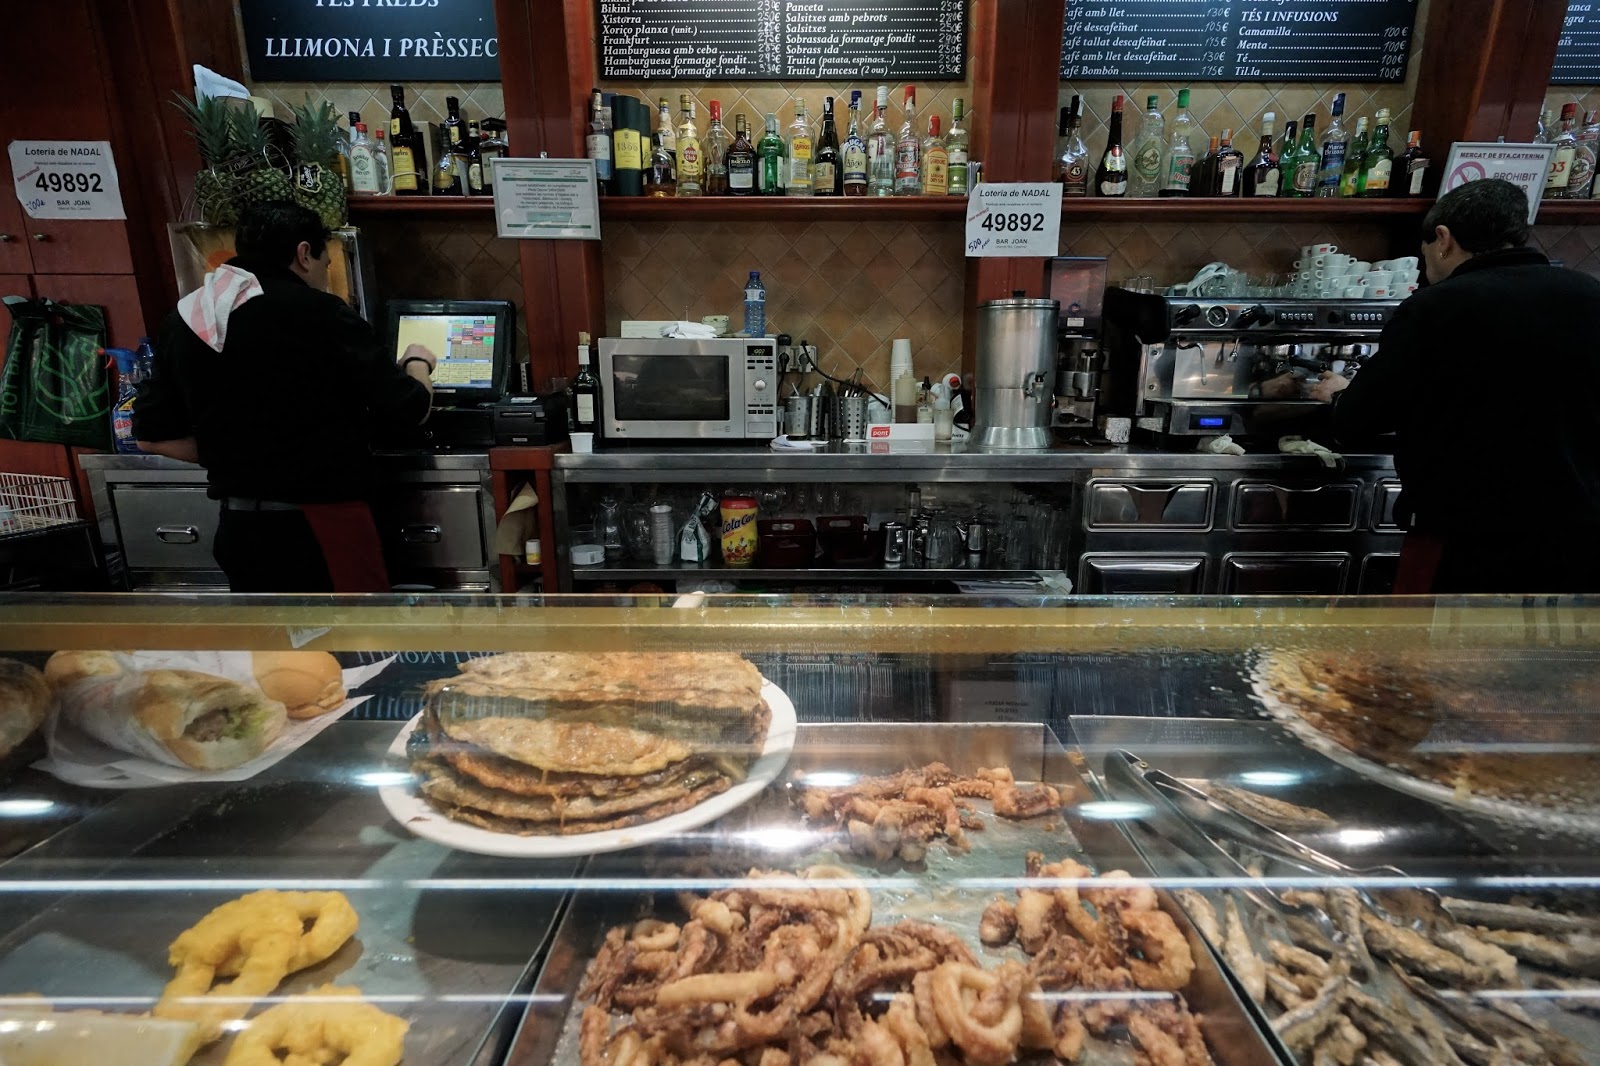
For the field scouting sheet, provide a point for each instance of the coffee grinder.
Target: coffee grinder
(1078, 284)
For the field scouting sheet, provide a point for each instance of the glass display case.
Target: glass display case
(825, 830)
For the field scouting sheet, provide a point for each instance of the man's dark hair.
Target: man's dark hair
(271, 230)
(1483, 216)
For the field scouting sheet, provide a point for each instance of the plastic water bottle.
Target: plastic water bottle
(755, 306)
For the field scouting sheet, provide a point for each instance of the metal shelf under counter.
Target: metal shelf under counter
(817, 574)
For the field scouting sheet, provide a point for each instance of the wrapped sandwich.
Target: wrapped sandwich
(562, 743)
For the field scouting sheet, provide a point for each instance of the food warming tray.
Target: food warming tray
(446, 940)
(952, 889)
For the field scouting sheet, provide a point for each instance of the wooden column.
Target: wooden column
(546, 63)
(1485, 69)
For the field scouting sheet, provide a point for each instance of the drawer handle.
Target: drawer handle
(6, 238)
(421, 534)
(178, 534)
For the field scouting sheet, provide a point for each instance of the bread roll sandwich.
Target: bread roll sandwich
(307, 683)
(24, 701)
(179, 717)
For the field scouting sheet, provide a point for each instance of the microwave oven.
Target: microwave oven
(664, 389)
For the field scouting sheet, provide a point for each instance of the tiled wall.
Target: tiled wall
(1578, 247)
(848, 288)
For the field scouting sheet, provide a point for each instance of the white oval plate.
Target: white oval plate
(424, 820)
(1526, 815)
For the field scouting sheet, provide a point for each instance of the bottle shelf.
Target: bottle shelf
(1570, 212)
(422, 206)
(1201, 209)
(784, 208)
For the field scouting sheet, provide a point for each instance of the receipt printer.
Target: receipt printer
(540, 419)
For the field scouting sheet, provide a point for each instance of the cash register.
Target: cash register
(474, 401)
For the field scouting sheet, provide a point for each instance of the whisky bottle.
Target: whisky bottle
(1411, 170)
(1111, 178)
(446, 167)
(1377, 169)
(1261, 177)
(956, 144)
(716, 153)
(1180, 150)
(405, 147)
(908, 150)
(935, 161)
(472, 161)
(627, 148)
(770, 160)
(598, 143)
(853, 156)
(665, 136)
(363, 163)
(691, 157)
(1072, 155)
(1227, 179)
(741, 160)
(827, 176)
(1204, 174)
(799, 180)
(454, 127)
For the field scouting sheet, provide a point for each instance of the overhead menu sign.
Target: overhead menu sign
(799, 40)
(1578, 50)
(371, 40)
(1237, 40)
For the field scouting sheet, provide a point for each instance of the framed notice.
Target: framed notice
(371, 40)
(546, 199)
(1526, 166)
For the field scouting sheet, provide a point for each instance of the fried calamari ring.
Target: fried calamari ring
(1168, 963)
(983, 1043)
(263, 935)
(320, 1028)
(328, 922)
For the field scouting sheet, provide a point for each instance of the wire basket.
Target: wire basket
(31, 502)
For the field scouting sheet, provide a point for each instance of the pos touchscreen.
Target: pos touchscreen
(472, 339)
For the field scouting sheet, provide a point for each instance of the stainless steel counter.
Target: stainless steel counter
(386, 460)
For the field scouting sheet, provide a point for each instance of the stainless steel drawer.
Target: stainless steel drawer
(1272, 505)
(1150, 504)
(1135, 574)
(1284, 573)
(1385, 494)
(432, 528)
(165, 527)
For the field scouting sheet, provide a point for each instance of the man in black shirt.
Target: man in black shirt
(1488, 377)
(275, 386)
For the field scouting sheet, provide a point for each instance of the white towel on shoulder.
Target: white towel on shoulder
(223, 292)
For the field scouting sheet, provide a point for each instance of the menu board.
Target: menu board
(799, 40)
(365, 40)
(1578, 50)
(1237, 40)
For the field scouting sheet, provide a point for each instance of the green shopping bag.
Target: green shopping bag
(53, 387)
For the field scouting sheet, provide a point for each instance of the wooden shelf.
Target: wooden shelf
(1200, 209)
(1570, 212)
(785, 208)
(422, 206)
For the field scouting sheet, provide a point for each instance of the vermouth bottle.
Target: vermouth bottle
(1111, 177)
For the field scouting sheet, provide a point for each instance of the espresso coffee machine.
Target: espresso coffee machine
(1193, 367)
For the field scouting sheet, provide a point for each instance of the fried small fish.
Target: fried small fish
(1582, 996)
(1300, 1027)
(1513, 917)
(1396, 1031)
(1420, 956)
(1341, 1045)
(1498, 960)
(1276, 813)
(1201, 913)
(1578, 955)
(1241, 955)
(1294, 958)
(1344, 907)
(1282, 987)
(1522, 1036)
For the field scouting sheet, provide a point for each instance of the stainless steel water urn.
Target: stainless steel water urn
(1015, 371)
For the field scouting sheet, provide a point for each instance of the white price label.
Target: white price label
(1014, 219)
(66, 179)
(546, 199)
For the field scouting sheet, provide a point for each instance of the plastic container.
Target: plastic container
(739, 531)
(755, 306)
(531, 553)
(127, 389)
(588, 554)
(661, 534)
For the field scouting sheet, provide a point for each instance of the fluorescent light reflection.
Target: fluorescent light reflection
(1271, 778)
(25, 808)
(1112, 810)
(829, 779)
(779, 838)
(1360, 838)
(381, 778)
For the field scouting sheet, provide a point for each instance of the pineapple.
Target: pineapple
(317, 182)
(266, 178)
(216, 188)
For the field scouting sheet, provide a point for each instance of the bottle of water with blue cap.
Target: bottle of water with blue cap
(755, 306)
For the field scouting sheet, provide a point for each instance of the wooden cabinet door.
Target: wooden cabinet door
(117, 293)
(62, 247)
(13, 285)
(14, 255)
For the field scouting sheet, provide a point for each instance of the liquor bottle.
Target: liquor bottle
(1306, 159)
(405, 147)
(935, 161)
(472, 156)
(956, 146)
(665, 136)
(799, 178)
(880, 151)
(363, 163)
(1180, 150)
(1227, 177)
(770, 160)
(380, 159)
(627, 150)
(1145, 156)
(454, 127)
(908, 150)
(741, 160)
(827, 176)
(716, 153)
(853, 156)
(1111, 177)
(597, 144)
(1202, 179)
(1378, 169)
(1587, 158)
(1335, 142)
(691, 156)
(1072, 154)
(1261, 176)
(1287, 148)
(1566, 142)
(494, 147)
(346, 139)
(1355, 160)
(1412, 168)
(661, 169)
(1542, 128)
(584, 391)
(447, 167)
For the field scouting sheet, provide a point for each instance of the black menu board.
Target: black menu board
(1237, 40)
(800, 40)
(1578, 51)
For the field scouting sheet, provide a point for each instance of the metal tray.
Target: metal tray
(952, 889)
(448, 941)
(1374, 826)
